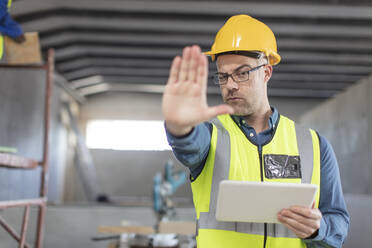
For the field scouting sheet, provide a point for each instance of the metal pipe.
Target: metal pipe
(14, 161)
(44, 173)
(22, 203)
(40, 227)
(24, 227)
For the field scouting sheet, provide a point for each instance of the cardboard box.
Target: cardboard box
(25, 53)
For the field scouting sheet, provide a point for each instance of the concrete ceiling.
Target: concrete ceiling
(122, 45)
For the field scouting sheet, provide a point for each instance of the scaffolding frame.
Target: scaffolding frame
(17, 162)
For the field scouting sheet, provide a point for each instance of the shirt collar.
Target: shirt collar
(272, 120)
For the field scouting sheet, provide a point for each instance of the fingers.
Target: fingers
(219, 110)
(185, 64)
(194, 63)
(295, 229)
(312, 213)
(202, 71)
(306, 221)
(190, 64)
(174, 71)
(301, 220)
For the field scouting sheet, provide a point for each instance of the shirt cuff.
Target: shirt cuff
(321, 232)
(181, 140)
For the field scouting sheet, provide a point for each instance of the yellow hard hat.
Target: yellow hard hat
(245, 33)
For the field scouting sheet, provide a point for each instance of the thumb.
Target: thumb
(219, 110)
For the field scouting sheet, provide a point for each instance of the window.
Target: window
(126, 135)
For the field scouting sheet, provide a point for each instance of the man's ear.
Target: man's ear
(268, 69)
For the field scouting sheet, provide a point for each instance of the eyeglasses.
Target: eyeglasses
(241, 74)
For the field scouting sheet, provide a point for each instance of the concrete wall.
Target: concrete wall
(345, 121)
(360, 209)
(21, 126)
(129, 173)
(294, 108)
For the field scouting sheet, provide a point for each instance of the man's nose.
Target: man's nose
(231, 84)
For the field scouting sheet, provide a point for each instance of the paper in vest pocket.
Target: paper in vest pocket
(282, 166)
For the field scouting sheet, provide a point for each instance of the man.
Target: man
(8, 26)
(246, 139)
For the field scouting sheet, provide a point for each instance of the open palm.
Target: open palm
(185, 96)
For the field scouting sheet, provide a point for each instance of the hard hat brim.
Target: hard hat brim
(274, 57)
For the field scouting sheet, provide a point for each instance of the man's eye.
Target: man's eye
(242, 73)
(222, 77)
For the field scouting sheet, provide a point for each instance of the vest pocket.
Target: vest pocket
(282, 166)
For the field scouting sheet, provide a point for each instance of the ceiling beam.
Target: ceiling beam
(158, 89)
(324, 68)
(69, 38)
(317, 42)
(308, 93)
(52, 23)
(78, 51)
(207, 8)
(83, 63)
(163, 73)
(64, 84)
(308, 85)
(88, 81)
(94, 80)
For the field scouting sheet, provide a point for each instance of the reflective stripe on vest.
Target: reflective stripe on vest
(1, 46)
(212, 233)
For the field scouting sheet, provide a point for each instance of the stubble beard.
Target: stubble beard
(242, 109)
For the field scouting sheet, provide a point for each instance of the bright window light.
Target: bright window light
(126, 135)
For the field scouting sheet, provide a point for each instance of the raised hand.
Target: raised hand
(185, 96)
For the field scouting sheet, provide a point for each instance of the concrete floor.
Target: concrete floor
(74, 226)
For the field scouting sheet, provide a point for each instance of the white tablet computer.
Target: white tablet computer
(240, 201)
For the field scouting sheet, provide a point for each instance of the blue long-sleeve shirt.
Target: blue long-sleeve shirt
(192, 151)
(7, 25)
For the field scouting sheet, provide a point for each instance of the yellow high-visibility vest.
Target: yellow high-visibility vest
(1, 37)
(1, 46)
(232, 156)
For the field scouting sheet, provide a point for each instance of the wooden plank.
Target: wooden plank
(114, 244)
(179, 227)
(25, 53)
